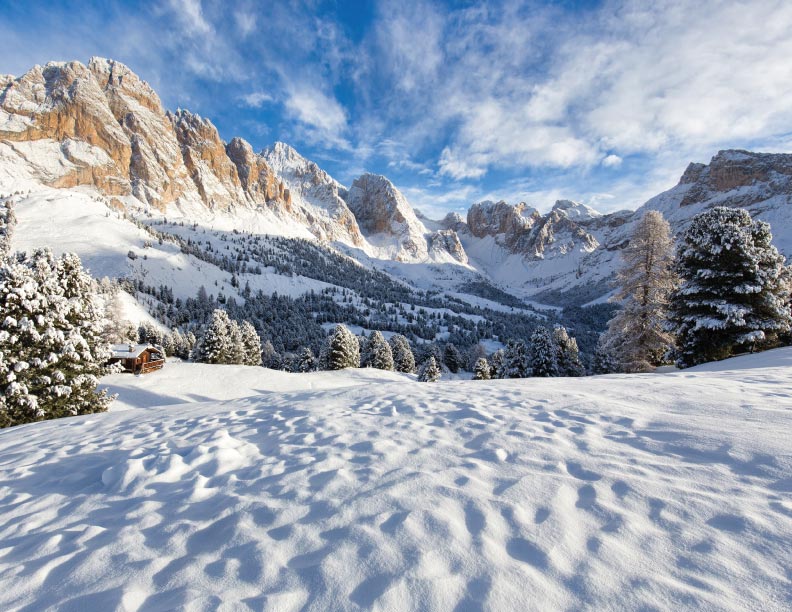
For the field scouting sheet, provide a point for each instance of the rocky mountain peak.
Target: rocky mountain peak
(575, 210)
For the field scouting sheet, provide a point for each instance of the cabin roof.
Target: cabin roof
(130, 351)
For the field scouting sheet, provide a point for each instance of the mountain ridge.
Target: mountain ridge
(68, 125)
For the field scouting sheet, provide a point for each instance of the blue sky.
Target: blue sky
(601, 102)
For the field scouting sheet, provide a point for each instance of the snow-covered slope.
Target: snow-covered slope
(362, 490)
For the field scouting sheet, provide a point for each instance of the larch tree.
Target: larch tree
(735, 288)
(637, 335)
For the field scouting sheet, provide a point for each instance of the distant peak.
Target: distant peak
(575, 210)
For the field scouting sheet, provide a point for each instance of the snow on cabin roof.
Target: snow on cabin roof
(128, 351)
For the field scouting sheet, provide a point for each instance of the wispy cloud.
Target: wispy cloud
(510, 99)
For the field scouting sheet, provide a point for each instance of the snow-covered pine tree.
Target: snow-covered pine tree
(342, 349)
(148, 333)
(403, 358)
(481, 371)
(497, 363)
(251, 344)
(452, 358)
(604, 362)
(638, 335)
(7, 222)
(236, 350)
(270, 358)
(517, 362)
(543, 353)
(51, 347)
(567, 353)
(377, 353)
(215, 345)
(429, 371)
(307, 362)
(735, 288)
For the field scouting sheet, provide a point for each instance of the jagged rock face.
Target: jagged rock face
(381, 209)
(64, 102)
(316, 198)
(556, 233)
(509, 224)
(752, 177)
(204, 153)
(257, 178)
(447, 241)
(454, 221)
(156, 169)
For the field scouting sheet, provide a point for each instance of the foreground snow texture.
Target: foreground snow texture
(662, 491)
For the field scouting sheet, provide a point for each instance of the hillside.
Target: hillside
(245, 488)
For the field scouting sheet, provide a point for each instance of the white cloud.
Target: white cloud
(611, 161)
(256, 99)
(322, 115)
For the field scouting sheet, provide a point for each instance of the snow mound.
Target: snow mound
(361, 489)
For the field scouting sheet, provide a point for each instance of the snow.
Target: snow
(227, 487)
(127, 351)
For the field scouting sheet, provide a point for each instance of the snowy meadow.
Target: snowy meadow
(230, 487)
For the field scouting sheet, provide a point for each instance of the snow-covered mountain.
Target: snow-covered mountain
(100, 127)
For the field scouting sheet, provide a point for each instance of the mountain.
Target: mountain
(99, 131)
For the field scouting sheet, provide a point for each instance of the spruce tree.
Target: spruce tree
(341, 350)
(735, 288)
(215, 346)
(638, 334)
(429, 371)
(251, 344)
(604, 361)
(481, 371)
(307, 362)
(543, 353)
(567, 353)
(452, 358)
(377, 353)
(516, 360)
(7, 223)
(403, 358)
(51, 348)
(497, 363)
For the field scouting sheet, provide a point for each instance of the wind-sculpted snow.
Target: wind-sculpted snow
(665, 491)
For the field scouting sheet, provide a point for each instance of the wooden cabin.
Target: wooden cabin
(138, 358)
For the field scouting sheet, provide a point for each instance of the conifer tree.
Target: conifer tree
(638, 333)
(377, 353)
(429, 371)
(7, 222)
(604, 362)
(567, 353)
(341, 349)
(516, 360)
(51, 347)
(481, 371)
(543, 353)
(215, 346)
(251, 344)
(497, 363)
(403, 358)
(307, 362)
(452, 358)
(735, 288)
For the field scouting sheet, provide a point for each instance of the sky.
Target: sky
(603, 102)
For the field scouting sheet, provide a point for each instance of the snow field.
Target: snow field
(365, 490)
